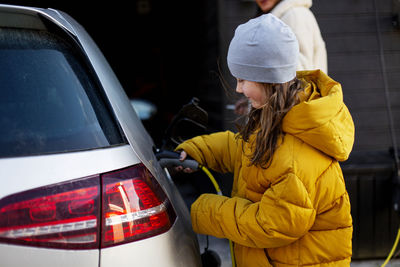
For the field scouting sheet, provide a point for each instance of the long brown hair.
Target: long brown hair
(266, 122)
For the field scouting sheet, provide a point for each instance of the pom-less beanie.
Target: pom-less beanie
(265, 50)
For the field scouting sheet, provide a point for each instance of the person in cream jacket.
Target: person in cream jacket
(298, 16)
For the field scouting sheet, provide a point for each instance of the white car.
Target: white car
(79, 182)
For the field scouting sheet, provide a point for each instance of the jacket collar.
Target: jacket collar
(284, 5)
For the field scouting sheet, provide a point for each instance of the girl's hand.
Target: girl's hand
(182, 157)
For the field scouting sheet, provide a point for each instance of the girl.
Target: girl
(289, 204)
(298, 16)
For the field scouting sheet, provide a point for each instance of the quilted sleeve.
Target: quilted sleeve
(216, 151)
(283, 215)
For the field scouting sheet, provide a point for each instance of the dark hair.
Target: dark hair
(259, 12)
(266, 122)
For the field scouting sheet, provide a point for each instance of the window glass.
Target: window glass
(49, 102)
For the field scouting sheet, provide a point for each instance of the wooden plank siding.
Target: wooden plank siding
(349, 30)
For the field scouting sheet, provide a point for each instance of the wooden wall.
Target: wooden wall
(350, 31)
(349, 28)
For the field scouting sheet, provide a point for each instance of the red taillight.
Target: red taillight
(127, 205)
(62, 215)
(134, 206)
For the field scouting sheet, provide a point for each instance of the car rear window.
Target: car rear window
(49, 100)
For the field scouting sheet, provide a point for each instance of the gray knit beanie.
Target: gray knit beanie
(265, 50)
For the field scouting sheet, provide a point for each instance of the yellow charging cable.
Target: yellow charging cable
(393, 249)
(219, 192)
(214, 182)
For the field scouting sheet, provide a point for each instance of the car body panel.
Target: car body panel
(36, 171)
(159, 254)
(18, 256)
(126, 115)
(176, 247)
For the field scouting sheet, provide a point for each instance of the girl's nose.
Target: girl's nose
(239, 89)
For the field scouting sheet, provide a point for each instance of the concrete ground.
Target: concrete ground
(221, 246)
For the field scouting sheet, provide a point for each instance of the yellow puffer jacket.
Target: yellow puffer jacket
(297, 211)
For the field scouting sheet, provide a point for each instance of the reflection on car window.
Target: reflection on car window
(49, 102)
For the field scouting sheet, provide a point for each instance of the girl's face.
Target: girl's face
(267, 5)
(254, 91)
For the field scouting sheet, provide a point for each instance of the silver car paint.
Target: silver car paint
(44, 170)
(18, 256)
(24, 173)
(126, 115)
